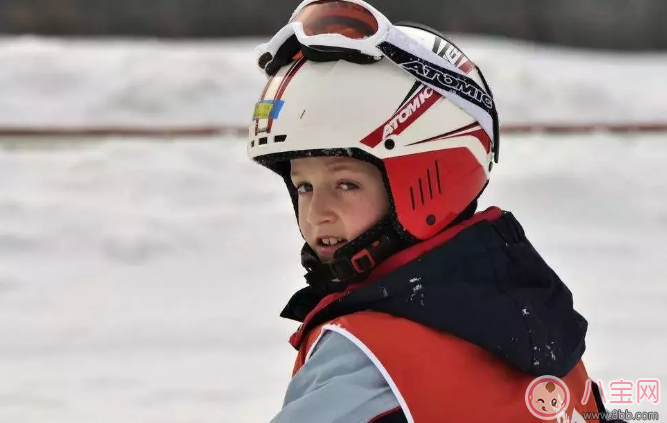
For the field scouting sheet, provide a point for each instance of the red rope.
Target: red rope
(207, 131)
(584, 128)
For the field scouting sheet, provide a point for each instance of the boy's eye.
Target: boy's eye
(348, 186)
(304, 188)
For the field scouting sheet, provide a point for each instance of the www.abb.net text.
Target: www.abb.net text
(623, 415)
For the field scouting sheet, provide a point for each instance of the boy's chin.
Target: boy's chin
(326, 254)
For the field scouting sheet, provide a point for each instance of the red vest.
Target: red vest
(438, 377)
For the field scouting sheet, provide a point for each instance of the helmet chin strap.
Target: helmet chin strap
(354, 261)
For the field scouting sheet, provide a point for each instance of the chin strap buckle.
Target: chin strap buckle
(336, 275)
(346, 270)
(363, 260)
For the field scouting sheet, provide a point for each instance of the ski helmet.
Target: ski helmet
(434, 157)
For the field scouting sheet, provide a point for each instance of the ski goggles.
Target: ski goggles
(353, 30)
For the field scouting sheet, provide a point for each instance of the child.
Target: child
(418, 307)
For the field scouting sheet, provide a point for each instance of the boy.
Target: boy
(418, 309)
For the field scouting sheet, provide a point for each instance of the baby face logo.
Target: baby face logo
(547, 397)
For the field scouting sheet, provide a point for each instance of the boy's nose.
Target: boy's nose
(320, 210)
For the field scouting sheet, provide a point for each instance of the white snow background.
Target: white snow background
(141, 280)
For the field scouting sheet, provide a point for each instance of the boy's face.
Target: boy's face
(339, 199)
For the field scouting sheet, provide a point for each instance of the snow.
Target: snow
(56, 82)
(141, 280)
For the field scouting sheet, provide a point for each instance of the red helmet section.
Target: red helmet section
(431, 189)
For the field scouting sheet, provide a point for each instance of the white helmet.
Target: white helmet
(436, 159)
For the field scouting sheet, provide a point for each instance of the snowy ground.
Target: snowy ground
(140, 280)
(47, 82)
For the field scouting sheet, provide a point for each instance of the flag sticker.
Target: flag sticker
(267, 109)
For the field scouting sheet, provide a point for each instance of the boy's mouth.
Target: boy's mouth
(327, 246)
(330, 241)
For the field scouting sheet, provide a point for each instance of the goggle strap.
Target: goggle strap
(332, 54)
(474, 100)
(496, 120)
(284, 55)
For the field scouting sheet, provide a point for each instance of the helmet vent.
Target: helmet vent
(265, 140)
(432, 183)
(421, 195)
(421, 190)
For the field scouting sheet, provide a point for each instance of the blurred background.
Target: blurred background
(603, 24)
(144, 260)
